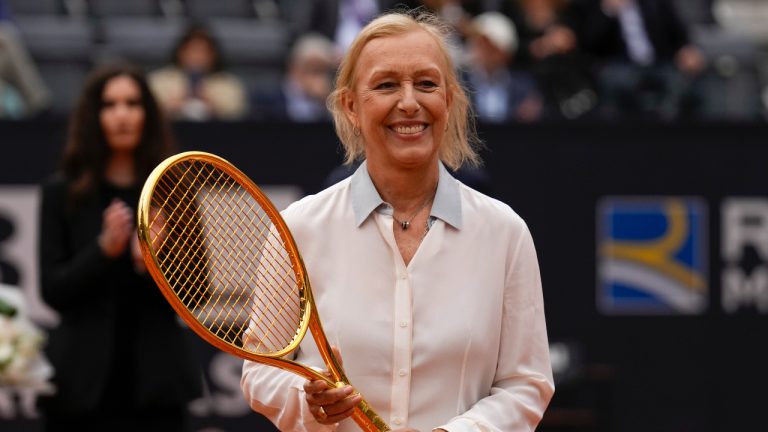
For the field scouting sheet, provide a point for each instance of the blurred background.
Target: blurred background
(631, 136)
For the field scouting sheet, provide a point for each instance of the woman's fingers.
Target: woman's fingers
(330, 404)
(117, 227)
(327, 403)
(319, 393)
(340, 410)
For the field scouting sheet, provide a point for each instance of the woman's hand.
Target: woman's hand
(116, 228)
(329, 404)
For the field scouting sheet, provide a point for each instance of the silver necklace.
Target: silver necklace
(404, 224)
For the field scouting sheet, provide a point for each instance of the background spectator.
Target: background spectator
(308, 82)
(645, 61)
(196, 86)
(498, 93)
(338, 20)
(549, 49)
(121, 360)
(22, 91)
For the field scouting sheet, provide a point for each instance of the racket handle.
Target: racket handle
(367, 419)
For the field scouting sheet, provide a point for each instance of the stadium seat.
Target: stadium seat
(251, 41)
(147, 41)
(204, 9)
(104, 8)
(34, 7)
(56, 37)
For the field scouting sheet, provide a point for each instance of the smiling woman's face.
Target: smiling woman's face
(399, 100)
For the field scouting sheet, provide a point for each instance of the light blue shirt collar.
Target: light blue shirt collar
(366, 199)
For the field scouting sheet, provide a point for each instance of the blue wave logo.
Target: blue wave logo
(651, 255)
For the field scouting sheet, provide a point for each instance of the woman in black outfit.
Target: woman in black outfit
(121, 359)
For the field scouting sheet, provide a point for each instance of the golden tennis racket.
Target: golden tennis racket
(225, 260)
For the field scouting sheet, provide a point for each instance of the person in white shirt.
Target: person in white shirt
(430, 290)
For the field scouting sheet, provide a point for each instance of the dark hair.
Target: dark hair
(87, 152)
(199, 31)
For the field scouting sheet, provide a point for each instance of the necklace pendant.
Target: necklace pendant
(405, 225)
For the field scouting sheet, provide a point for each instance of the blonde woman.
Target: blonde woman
(429, 289)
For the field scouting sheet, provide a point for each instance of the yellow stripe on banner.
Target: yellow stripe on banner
(659, 253)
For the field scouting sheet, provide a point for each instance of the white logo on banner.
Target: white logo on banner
(745, 254)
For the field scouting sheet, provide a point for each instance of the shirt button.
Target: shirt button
(403, 372)
(403, 276)
(397, 421)
(403, 324)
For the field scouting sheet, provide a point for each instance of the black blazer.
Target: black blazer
(86, 287)
(601, 36)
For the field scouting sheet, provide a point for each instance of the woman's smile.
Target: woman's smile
(409, 130)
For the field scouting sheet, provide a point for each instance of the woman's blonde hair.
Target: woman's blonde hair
(461, 136)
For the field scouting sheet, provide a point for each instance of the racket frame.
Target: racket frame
(363, 414)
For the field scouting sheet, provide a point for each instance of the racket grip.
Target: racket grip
(367, 419)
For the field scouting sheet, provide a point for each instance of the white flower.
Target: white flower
(6, 352)
(20, 353)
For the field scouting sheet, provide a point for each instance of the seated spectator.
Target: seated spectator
(308, 82)
(742, 17)
(498, 93)
(196, 86)
(23, 93)
(338, 20)
(549, 49)
(645, 61)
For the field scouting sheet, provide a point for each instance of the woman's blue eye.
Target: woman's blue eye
(385, 85)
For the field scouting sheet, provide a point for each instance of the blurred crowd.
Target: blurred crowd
(522, 60)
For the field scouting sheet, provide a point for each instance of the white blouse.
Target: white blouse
(454, 340)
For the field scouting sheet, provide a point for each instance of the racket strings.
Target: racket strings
(230, 225)
(182, 262)
(226, 271)
(224, 259)
(182, 275)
